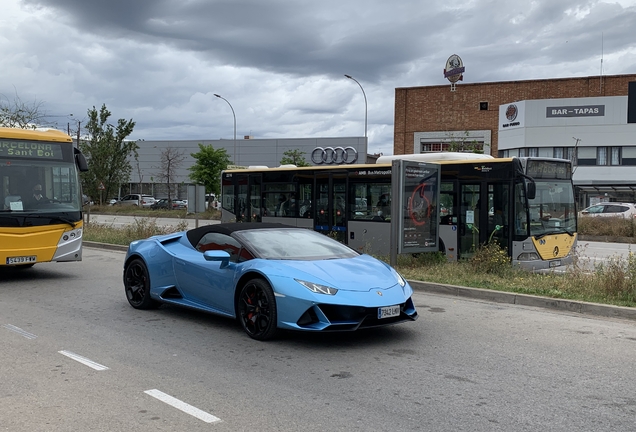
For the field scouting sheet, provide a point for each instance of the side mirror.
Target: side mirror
(80, 160)
(531, 189)
(217, 255)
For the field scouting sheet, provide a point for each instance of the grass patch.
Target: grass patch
(139, 229)
(607, 226)
(211, 214)
(613, 282)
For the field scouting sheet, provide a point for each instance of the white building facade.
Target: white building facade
(146, 168)
(593, 132)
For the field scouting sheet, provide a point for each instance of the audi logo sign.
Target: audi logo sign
(334, 155)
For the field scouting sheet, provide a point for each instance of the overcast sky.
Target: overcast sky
(281, 63)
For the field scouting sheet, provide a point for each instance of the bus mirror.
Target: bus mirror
(81, 162)
(531, 189)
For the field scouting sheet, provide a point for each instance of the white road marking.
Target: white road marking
(180, 405)
(19, 331)
(84, 360)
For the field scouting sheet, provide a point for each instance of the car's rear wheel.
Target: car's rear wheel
(257, 309)
(137, 285)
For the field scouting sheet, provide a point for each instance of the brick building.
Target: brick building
(434, 118)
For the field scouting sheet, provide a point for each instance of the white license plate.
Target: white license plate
(21, 259)
(555, 263)
(388, 312)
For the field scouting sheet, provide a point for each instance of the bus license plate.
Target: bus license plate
(555, 263)
(21, 259)
(388, 312)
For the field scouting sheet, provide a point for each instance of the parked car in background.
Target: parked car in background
(136, 200)
(610, 209)
(112, 201)
(181, 204)
(163, 204)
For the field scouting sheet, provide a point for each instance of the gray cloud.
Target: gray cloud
(281, 63)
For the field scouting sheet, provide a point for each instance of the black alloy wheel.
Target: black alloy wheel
(137, 285)
(257, 309)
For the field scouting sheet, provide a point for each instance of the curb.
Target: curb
(583, 308)
(107, 246)
(580, 307)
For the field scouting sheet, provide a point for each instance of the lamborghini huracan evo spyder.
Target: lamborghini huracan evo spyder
(269, 277)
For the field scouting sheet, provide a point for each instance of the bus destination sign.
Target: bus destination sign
(30, 150)
(545, 169)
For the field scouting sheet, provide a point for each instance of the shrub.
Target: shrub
(491, 258)
(617, 278)
(606, 226)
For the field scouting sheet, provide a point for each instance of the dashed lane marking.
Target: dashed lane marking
(180, 405)
(84, 360)
(19, 331)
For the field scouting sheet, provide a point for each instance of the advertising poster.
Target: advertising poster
(419, 213)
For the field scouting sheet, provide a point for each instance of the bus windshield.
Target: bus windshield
(41, 187)
(552, 210)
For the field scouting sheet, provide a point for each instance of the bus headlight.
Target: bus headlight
(528, 256)
(70, 236)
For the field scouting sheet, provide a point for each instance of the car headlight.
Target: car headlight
(317, 288)
(399, 278)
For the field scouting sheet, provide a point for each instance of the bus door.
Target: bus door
(322, 208)
(255, 206)
(241, 201)
(339, 198)
(448, 222)
(330, 209)
(469, 219)
(499, 213)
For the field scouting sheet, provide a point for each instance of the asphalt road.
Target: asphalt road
(465, 365)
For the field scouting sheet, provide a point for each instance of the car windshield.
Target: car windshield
(294, 244)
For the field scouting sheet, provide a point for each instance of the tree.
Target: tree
(209, 163)
(18, 114)
(464, 144)
(171, 160)
(107, 152)
(294, 157)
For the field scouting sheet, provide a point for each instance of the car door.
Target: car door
(616, 210)
(205, 282)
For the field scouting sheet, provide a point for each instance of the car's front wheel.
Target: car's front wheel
(137, 285)
(257, 309)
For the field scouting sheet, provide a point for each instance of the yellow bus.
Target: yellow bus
(525, 204)
(41, 216)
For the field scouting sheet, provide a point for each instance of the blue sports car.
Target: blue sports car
(268, 276)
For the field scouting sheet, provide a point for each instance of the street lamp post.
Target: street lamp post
(365, 103)
(233, 115)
